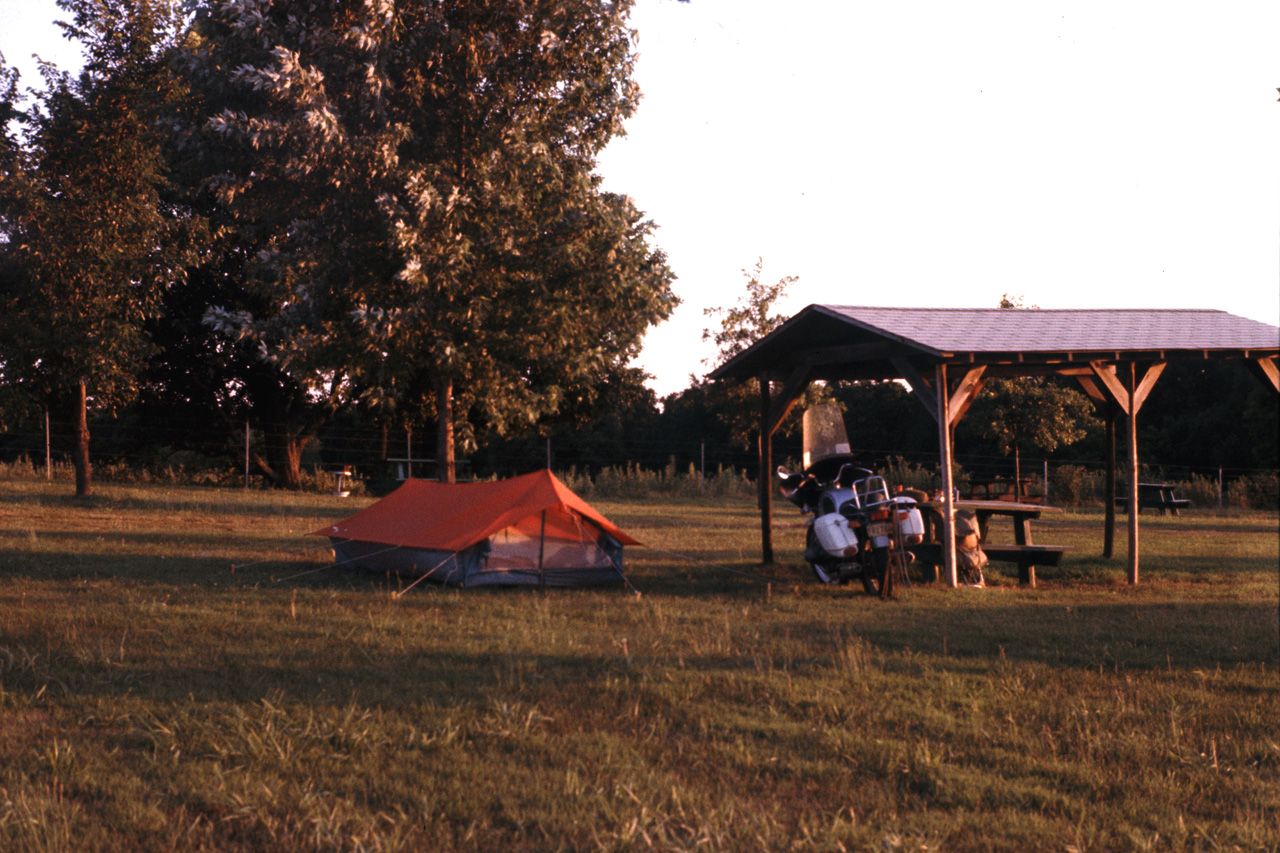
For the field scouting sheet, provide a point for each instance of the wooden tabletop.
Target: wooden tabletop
(993, 507)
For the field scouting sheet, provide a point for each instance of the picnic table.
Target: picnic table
(1155, 496)
(1001, 489)
(1022, 552)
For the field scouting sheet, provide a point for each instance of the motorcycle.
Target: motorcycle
(857, 530)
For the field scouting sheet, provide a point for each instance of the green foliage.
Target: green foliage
(414, 184)
(1214, 412)
(737, 405)
(1031, 412)
(92, 237)
(884, 419)
(752, 318)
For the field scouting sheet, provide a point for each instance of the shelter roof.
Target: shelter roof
(840, 341)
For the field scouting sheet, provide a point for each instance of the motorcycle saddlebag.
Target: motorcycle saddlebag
(835, 535)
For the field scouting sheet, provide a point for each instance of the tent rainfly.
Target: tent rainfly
(530, 530)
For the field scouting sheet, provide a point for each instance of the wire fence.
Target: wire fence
(596, 467)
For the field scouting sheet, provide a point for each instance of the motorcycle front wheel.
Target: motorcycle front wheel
(874, 569)
(827, 572)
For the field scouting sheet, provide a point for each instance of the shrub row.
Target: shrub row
(1069, 485)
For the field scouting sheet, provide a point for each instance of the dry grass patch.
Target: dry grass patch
(153, 699)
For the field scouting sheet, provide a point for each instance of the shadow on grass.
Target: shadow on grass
(320, 665)
(192, 502)
(1125, 635)
(228, 567)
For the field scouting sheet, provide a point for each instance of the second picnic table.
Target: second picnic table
(1155, 496)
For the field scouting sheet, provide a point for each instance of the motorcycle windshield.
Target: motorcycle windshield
(824, 436)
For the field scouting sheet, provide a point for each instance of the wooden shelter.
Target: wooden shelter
(947, 355)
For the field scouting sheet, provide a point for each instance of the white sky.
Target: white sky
(1111, 154)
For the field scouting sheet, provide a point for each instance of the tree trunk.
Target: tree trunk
(284, 445)
(445, 462)
(1017, 473)
(80, 454)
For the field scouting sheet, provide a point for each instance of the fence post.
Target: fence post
(1219, 488)
(48, 448)
(702, 476)
(246, 453)
(1046, 481)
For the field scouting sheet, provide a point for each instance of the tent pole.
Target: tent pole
(542, 544)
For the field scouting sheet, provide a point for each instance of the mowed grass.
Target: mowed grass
(153, 697)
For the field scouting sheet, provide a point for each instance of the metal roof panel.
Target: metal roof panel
(1032, 330)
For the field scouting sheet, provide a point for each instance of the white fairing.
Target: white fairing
(834, 534)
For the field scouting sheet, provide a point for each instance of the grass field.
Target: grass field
(153, 697)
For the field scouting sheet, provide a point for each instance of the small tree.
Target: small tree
(748, 321)
(1030, 411)
(90, 239)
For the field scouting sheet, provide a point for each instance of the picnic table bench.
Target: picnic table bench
(1022, 552)
(1155, 496)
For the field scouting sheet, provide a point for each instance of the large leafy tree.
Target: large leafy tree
(414, 185)
(91, 239)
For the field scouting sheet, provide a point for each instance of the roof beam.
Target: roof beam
(959, 401)
(781, 406)
(966, 392)
(921, 388)
(1118, 393)
(1266, 371)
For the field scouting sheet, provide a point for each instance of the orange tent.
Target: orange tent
(527, 530)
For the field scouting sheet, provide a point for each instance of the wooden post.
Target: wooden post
(48, 449)
(1131, 385)
(948, 484)
(246, 452)
(1109, 501)
(408, 452)
(764, 479)
(1128, 393)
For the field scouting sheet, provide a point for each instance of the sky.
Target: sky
(928, 153)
